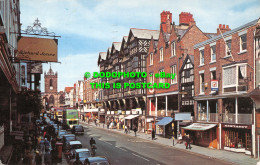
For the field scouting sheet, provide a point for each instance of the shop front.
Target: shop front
(203, 134)
(237, 138)
(165, 126)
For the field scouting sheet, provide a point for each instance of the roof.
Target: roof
(82, 150)
(199, 127)
(165, 121)
(210, 35)
(125, 38)
(67, 89)
(228, 33)
(74, 142)
(117, 45)
(181, 32)
(96, 159)
(103, 55)
(145, 33)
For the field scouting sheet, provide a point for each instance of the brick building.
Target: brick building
(224, 76)
(167, 55)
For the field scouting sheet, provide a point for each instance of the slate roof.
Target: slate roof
(228, 33)
(145, 33)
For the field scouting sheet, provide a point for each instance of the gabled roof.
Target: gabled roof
(145, 33)
(102, 56)
(108, 52)
(228, 33)
(210, 35)
(191, 57)
(67, 89)
(117, 45)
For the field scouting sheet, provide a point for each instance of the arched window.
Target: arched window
(62, 100)
(51, 99)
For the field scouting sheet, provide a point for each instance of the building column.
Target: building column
(156, 106)
(236, 109)
(166, 106)
(207, 110)
(150, 102)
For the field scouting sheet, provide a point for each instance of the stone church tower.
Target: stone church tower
(51, 81)
(52, 97)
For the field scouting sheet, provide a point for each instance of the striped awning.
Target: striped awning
(200, 127)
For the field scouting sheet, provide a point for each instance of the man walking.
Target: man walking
(153, 134)
(135, 130)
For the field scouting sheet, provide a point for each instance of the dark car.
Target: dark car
(61, 134)
(77, 129)
(81, 153)
(96, 161)
(67, 138)
(71, 145)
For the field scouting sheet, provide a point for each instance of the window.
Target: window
(161, 54)
(173, 49)
(173, 71)
(151, 78)
(213, 53)
(242, 42)
(213, 75)
(51, 82)
(201, 57)
(151, 59)
(228, 48)
(202, 83)
(229, 76)
(161, 80)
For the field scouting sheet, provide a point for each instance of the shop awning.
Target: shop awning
(131, 116)
(199, 127)
(90, 110)
(164, 121)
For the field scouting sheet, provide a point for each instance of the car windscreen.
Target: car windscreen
(84, 154)
(76, 146)
(62, 133)
(78, 128)
(70, 138)
(99, 163)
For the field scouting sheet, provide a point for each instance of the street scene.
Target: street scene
(129, 82)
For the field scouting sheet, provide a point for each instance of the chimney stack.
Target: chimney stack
(224, 28)
(186, 18)
(166, 20)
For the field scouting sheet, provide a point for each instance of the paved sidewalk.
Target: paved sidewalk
(232, 157)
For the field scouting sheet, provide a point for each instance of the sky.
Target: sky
(88, 27)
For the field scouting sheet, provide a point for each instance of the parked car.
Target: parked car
(67, 138)
(82, 154)
(96, 161)
(77, 129)
(71, 145)
(61, 133)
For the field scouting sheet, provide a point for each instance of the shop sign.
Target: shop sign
(38, 49)
(119, 111)
(236, 126)
(214, 85)
(183, 116)
(116, 112)
(123, 112)
(127, 112)
(112, 112)
(108, 112)
(136, 111)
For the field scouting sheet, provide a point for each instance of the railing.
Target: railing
(241, 118)
(212, 117)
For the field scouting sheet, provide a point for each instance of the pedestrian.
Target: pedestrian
(135, 130)
(42, 146)
(38, 158)
(46, 144)
(53, 142)
(188, 142)
(126, 129)
(47, 157)
(153, 134)
(54, 154)
(108, 125)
